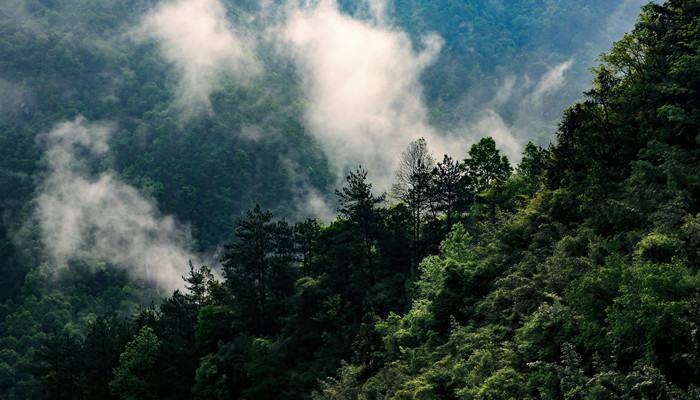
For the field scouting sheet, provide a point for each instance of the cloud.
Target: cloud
(505, 92)
(529, 104)
(493, 125)
(516, 113)
(551, 80)
(196, 36)
(362, 81)
(94, 219)
(313, 205)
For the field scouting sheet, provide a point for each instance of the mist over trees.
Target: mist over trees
(173, 223)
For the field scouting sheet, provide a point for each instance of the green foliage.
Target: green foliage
(506, 383)
(345, 388)
(209, 384)
(132, 378)
(588, 287)
(213, 324)
(657, 247)
(485, 166)
(58, 372)
(259, 269)
(533, 166)
(413, 178)
(654, 308)
(450, 190)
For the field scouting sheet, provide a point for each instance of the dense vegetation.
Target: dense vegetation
(575, 275)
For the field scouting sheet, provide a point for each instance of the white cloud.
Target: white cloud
(491, 124)
(505, 92)
(552, 80)
(313, 205)
(197, 37)
(529, 98)
(362, 79)
(102, 219)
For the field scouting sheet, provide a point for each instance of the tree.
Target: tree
(246, 265)
(359, 206)
(177, 321)
(284, 263)
(209, 383)
(258, 267)
(534, 163)
(213, 325)
(104, 341)
(305, 235)
(450, 188)
(132, 378)
(199, 282)
(59, 366)
(413, 180)
(485, 165)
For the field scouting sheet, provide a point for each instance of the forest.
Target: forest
(159, 241)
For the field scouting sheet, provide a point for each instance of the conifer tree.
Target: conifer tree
(358, 204)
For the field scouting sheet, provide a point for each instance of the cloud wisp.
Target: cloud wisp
(528, 99)
(551, 80)
(362, 81)
(101, 219)
(198, 39)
